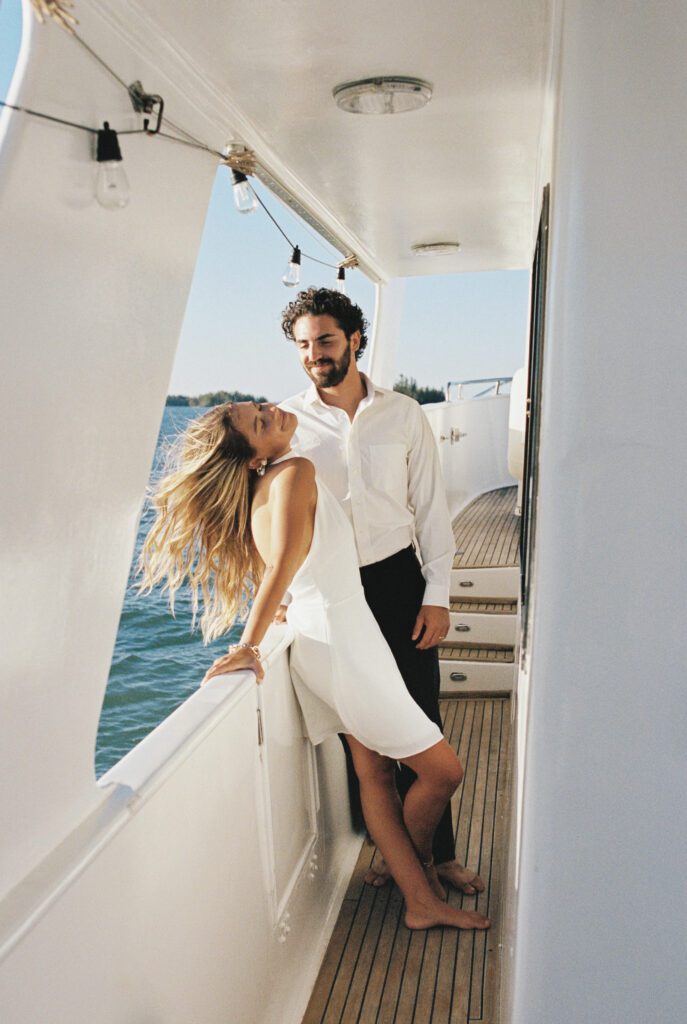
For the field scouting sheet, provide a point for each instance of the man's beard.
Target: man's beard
(333, 372)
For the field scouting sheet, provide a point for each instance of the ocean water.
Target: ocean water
(158, 661)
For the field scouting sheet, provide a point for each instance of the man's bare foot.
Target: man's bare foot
(444, 915)
(377, 876)
(434, 883)
(460, 878)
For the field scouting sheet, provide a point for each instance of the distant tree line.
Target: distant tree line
(406, 385)
(409, 386)
(214, 398)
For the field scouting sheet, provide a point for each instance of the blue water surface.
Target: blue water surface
(158, 660)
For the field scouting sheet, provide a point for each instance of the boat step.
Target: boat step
(484, 605)
(476, 668)
(497, 624)
(501, 582)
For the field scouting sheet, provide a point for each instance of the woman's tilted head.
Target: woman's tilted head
(202, 525)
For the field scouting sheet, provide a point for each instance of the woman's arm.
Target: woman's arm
(291, 506)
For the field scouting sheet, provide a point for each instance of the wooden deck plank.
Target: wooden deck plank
(480, 849)
(499, 852)
(319, 998)
(381, 968)
(397, 967)
(471, 652)
(367, 955)
(339, 992)
(487, 532)
(378, 972)
(405, 1011)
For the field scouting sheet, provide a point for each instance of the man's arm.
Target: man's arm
(433, 530)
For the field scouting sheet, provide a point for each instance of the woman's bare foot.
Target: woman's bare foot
(460, 878)
(438, 914)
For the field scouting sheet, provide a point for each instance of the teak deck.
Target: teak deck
(375, 970)
(487, 531)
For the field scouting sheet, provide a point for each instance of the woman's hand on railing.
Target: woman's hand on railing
(241, 658)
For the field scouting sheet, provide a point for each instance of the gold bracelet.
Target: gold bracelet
(253, 648)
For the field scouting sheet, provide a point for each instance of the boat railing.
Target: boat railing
(493, 387)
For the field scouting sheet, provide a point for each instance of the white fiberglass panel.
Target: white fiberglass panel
(92, 305)
(602, 901)
(472, 435)
(291, 787)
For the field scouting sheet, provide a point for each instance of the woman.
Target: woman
(242, 517)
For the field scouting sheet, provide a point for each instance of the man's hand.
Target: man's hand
(435, 621)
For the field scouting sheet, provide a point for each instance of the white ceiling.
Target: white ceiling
(463, 168)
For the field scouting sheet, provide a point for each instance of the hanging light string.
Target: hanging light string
(60, 11)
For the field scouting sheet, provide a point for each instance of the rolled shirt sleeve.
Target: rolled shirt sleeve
(427, 499)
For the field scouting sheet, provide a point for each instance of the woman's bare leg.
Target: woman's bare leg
(384, 818)
(438, 775)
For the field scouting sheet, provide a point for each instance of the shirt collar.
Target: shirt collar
(312, 396)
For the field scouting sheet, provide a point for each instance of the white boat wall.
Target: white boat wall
(162, 893)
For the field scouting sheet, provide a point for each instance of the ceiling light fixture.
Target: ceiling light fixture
(435, 248)
(389, 94)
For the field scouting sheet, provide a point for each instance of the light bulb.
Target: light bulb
(340, 284)
(112, 185)
(244, 197)
(293, 273)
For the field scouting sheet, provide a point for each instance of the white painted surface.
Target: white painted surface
(385, 332)
(489, 629)
(603, 901)
(497, 582)
(516, 424)
(478, 460)
(480, 677)
(92, 305)
(463, 166)
(189, 901)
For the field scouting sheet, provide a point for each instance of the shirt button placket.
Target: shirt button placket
(355, 481)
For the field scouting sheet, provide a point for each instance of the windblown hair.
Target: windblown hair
(326, 302)
(202, 524)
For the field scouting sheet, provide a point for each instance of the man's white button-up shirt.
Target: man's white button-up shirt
(384, 469)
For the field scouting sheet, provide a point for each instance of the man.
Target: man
(375, 451)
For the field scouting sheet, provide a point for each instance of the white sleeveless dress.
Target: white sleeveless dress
(343, 671)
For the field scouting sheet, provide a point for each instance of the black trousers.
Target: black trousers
(394, 589)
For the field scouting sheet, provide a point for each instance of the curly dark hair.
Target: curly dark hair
(326, 302)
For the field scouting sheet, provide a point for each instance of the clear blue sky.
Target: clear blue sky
(458, 326)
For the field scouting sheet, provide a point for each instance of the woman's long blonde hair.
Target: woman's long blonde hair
(202, 523)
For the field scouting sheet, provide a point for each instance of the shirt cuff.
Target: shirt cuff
(437, 595)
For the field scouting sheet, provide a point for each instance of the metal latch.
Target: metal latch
(455, 435)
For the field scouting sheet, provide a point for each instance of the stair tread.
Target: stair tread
(484, 605)
(497, 653)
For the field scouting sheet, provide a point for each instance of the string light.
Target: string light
(293, 274)
(112, 185)
(244, 197)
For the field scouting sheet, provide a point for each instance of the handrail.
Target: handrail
(498, 381)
